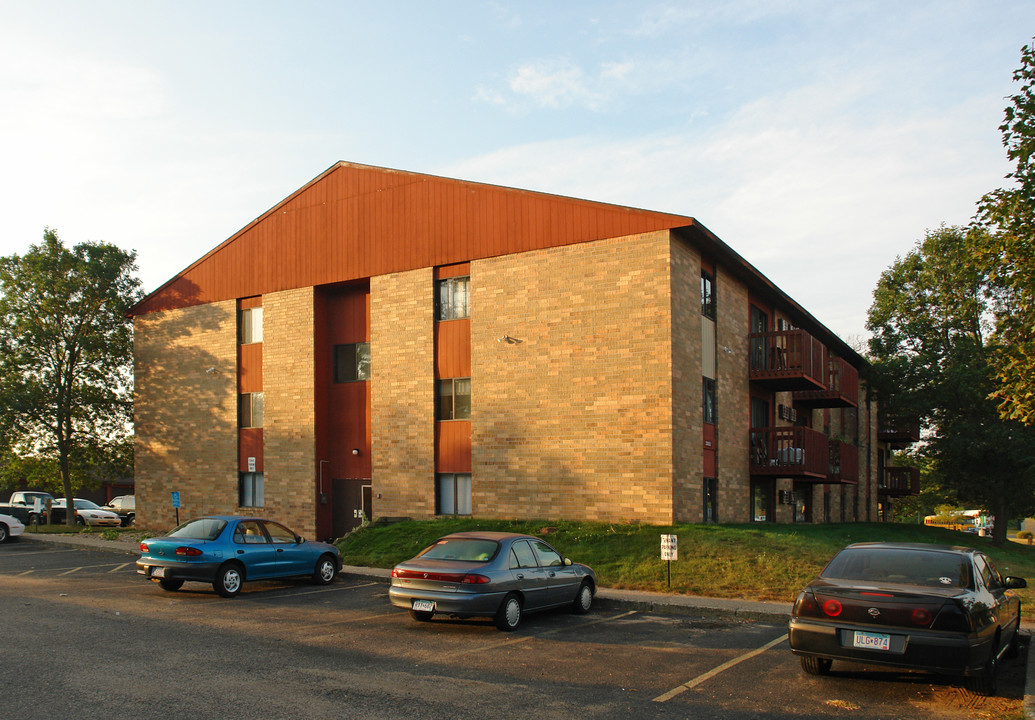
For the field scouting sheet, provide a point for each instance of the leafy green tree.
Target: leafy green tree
(65, 357)
(1008, 254)
(929, 321)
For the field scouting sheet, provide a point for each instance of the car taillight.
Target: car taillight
(472, 579)
(951, 618)
(806, 605)
(188, 551)
(921, 617)
(832, 607)
(143, 547)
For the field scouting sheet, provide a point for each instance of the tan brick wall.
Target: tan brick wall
(575, 420)
(402, 399)
(289, 416)
(687, 393)
(185, 362)
(734, 404)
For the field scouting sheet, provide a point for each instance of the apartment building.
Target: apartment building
(388, 344)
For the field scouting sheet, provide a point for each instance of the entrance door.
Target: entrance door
(351, 504)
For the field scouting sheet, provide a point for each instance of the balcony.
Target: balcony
(791, 452)
(844, 463)
(842, 387)
(900, 481)
(788, 360)
(898, 434)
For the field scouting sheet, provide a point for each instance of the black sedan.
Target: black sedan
(941, 609)
(494, 574)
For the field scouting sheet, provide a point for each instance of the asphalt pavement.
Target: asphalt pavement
(655, 602)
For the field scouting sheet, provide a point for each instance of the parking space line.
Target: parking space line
(526, 638)
(120, 567)
(69, 572)
(715, 671)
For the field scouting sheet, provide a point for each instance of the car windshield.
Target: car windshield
(86, 504)
(464, 549)
(201, 529)
(900, 565)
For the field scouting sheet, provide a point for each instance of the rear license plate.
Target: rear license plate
(871, 641)
(424, 606)
(158, 572)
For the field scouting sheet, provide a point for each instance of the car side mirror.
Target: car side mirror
(1014, 583)
(299, 539)
(567, 562)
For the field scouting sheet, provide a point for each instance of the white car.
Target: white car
(87, 512)
(10, 528)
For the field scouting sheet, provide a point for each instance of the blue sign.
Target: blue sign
(176, 499)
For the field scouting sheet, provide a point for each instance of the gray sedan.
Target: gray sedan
(494, 574)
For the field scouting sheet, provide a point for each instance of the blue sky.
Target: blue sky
(818, 139)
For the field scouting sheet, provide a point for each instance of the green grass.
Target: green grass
(757, 562)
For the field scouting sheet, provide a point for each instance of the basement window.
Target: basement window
(251, 489)
(453, 494)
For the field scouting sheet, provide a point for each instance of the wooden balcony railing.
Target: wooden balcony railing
(842, 387)
(900, 481)
(898, 434)
(788, 360)
(844, 463)
(793, 452)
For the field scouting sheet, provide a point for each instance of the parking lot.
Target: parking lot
(91, 638)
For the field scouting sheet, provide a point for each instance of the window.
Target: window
(546, 555)
(249, 325)
(707, 294)
(251, 489)
(249, 410)
(711, 500)
(453, 399)
(711, 411)
(452, 300)
(452, 494)
(521, 556)
(762, 501)
(351, 362)
(249, 532)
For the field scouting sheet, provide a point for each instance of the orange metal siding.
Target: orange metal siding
(249, 368)
(356, 221)
(453, 447)
(453, 349)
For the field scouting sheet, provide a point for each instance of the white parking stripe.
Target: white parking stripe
(715, 671)
(123, 565)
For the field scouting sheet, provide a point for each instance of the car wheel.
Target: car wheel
(79, 520)
(4, 533)
(508, 617)
(421, 615)
(325, 571)
(33, 519)
(985, 683)
(170, 584)
(816, 665)
(583, 599)
(228, 581)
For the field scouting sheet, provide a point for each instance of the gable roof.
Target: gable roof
(357, 221)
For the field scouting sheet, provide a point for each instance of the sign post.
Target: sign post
(669, 552)
(176, 505)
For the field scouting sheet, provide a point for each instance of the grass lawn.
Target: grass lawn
(757, 562)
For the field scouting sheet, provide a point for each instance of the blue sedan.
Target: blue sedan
(227, 550)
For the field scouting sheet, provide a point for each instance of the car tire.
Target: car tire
(326, 570)
(33, 519)
(816, 665)
(170, 584)
(229, 580)
(583, 599)
(508, 617)
(79, 520)
(5, 533)
(985, 683)
(421, 615)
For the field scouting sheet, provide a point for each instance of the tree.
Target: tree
(65, 356)
(930, 323)
(1008, 216)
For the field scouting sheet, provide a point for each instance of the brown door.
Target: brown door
(351, 504)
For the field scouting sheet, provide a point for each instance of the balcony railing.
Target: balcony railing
(898, 434)
(842, 387)
(788, 360)
(844, 463)
(900, 481)
(793, 452)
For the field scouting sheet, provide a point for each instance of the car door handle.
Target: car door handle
(240, 552)
(520, 576)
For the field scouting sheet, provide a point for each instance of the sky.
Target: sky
(820, 139)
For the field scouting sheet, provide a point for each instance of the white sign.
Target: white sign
(251, 464)
(669, 547)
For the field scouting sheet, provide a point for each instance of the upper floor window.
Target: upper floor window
(249, 325)
(452, 301)
(707, 294)
(249, 410)
(453, 399)
(711, 412)
(351, 362)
